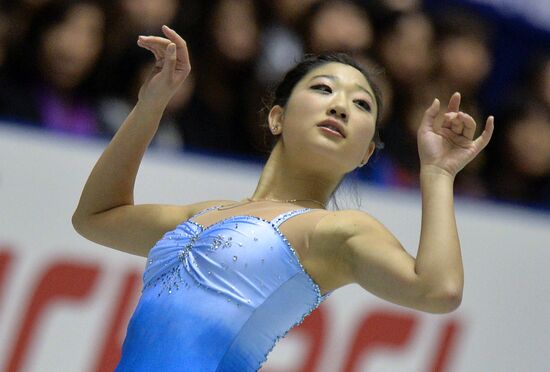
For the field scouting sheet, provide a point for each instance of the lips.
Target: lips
(334, 126)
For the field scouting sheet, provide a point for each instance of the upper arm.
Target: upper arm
(377, 261)
(135, 228)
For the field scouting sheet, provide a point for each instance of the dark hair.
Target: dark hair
(284, 89)
(452, 21)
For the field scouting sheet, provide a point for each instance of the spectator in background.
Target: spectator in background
(124, 67)
(281, 43)
(519, 169)
(421, 55)
(3, 37)
(19, 13)
(544, 82)
(337, 26)
(538, 77)
(5, 90)
(134, 17)
(226, 104)
(407, 50)
(406, 47)
(127, 20)
(4, 31)
(464, 64)
(146, 16)
(465, 61)
(423, 66)
(401, 5)
(14, 17)
(385, 11)
(53, 71)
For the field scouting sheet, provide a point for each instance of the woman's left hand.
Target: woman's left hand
(449, 145)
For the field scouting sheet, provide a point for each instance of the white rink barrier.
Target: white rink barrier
(65, 302)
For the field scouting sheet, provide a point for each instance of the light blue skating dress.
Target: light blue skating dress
(218, 298)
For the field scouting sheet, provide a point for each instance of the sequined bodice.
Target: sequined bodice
(218, 298)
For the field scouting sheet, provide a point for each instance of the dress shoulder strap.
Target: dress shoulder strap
(205, 210)
(277, 221)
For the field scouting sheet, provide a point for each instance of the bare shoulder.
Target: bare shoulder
(346, 224)
(348, 230)
(333, 241)
(136, 228)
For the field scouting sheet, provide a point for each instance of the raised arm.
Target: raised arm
(374, 258)
(106, 213)
(444, 149)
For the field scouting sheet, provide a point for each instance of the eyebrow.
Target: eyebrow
(335, 78)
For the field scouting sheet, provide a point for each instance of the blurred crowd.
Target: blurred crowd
(73, 66)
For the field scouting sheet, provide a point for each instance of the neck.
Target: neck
(283, 179)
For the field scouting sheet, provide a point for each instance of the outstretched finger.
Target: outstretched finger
(147, 46)
(173, 36)
(154, 42)
(454, 102)
(485, 136)
(182, 52)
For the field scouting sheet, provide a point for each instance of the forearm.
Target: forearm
(111, 182)
(439, 262)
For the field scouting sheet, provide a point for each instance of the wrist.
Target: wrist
(436, 187)
(433, 171)
(434, 177)
(154, 107)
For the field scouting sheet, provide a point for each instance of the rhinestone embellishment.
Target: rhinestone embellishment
(173, 274)
(220, 241)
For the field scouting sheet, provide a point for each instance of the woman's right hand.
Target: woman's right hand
(171, 68)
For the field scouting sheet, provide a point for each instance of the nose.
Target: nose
(338, 108)
(339, 112)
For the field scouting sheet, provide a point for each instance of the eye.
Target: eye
(322, 87)
(363, 104)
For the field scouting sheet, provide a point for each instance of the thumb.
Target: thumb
(170, 60)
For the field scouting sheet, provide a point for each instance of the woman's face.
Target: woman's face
(407, 51)
(342, 27)
(335, 92)
(465, 61)
(71, 48)
(235, 30)
(149, 15)
(529, 141)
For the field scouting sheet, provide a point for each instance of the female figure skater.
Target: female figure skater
(225, 280)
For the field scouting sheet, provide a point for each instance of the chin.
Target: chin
(323, 158)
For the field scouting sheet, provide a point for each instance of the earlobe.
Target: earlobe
(369, 153)
(275, 119)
